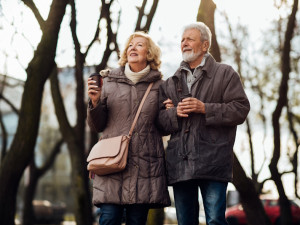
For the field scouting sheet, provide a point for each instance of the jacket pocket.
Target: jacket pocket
(215, 154)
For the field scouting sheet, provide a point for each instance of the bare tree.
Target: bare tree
(75, 136)
(285, 209)
(206, 14)
(149, 16)
(80, 187)
(258, 87)
(35, 174)
(22, 147)
(246, 186)
(111, 36)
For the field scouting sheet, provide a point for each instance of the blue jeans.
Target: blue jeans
(112, 214)
(187, 205)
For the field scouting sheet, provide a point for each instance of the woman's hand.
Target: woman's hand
(94, 92)
(168, 104)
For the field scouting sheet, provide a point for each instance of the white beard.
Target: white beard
(190, 57)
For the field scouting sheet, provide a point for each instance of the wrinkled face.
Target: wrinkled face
(137, 51)
(192, 47)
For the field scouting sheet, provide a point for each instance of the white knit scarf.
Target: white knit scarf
(135, 76)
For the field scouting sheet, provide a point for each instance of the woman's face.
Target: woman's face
(137, 52)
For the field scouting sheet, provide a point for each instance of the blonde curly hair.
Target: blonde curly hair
(154, 52)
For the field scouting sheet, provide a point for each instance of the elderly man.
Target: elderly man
(201, 106)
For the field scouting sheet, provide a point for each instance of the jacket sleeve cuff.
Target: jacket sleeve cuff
(174, 119)
(212, 116)
(96, 116)
(90, 105)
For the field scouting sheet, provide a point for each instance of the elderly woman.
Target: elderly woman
(143, 184)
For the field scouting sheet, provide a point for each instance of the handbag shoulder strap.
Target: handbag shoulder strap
(140, 108)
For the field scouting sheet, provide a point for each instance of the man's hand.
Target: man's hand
(189, 105)
(180, 112)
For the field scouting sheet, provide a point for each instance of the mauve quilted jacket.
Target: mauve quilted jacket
(201, 146)
(144, 179)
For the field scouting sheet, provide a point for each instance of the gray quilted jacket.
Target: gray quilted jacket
(144, 179)
(201, 145)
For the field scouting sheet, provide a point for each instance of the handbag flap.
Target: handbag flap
(109, 147)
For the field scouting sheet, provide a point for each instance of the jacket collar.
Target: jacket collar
(207, 68)
(119, 76)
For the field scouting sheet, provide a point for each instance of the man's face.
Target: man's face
(192, 47)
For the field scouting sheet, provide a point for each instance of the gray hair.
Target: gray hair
(204, 31)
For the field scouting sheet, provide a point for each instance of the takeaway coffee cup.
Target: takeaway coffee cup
(98, 78)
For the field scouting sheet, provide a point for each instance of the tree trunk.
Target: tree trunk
(80, 184)
(34, 175)
(28, 212)
(252, 205)
(285, 209)
(206, 14)
(22, 147)
(4, 136)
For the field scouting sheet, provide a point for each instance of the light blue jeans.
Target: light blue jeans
(187, 204)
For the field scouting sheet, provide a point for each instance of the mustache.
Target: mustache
(186, 49)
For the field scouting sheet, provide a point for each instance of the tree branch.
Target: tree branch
(9, 103)
(50, 160)
(150, 16)
(30, 4)
(73, 24)
(96, 37)
(111, 36)
(59, 105)
(142, 13)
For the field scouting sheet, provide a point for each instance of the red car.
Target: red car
(235, 215)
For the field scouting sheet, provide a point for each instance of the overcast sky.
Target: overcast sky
(166, 28)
